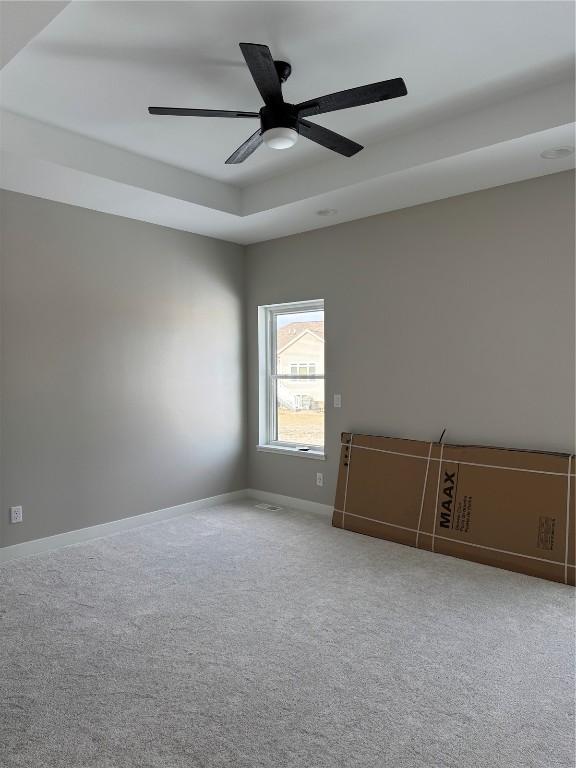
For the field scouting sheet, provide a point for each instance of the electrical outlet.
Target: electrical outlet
(15, 514)
(319, 478)
(337, 401)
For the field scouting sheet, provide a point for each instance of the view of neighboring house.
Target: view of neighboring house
(300, 352)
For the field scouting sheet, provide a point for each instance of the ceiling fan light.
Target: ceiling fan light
(280, 138)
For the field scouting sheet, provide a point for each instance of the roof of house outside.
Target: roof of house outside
(289, 332)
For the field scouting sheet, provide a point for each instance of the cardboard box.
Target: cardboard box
(512, 509)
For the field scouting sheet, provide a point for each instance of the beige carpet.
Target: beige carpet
(240, 638)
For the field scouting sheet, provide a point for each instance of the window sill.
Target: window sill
(311, 454)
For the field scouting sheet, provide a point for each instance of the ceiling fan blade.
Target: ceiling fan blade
(246, 149)
(261, 66)
(354, 97)
(328, 139)
(199, 112)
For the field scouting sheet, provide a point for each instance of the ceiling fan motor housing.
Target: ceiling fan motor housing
(278, 116)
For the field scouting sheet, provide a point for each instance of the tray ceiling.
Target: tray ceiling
(92, 71)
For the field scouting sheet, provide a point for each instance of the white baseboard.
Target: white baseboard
(289, 501)
(36, 546)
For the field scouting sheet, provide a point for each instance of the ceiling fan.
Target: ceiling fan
(282, 123)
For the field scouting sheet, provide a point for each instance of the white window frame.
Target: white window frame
(267, 354)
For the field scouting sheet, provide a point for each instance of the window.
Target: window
(291, 350)
(302, 369)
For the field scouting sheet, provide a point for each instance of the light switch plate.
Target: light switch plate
(337, 401)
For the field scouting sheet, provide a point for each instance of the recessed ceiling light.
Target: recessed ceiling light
(326, 212)
(555, 153)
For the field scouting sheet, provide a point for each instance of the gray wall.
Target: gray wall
(122, 367)
(122, 346)
(456, 314)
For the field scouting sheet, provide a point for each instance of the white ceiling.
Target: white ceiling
(480, 75)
